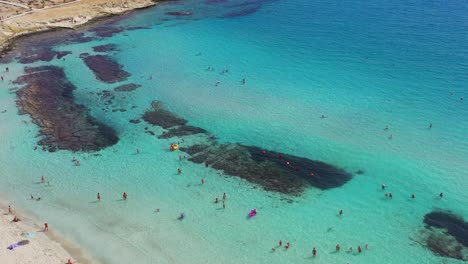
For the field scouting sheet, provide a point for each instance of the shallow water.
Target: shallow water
(363, 65)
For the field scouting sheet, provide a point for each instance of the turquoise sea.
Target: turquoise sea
(365, 65)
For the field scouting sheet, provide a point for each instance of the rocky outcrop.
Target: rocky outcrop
(106, 48)
(446, 234)
(127, 87)
(272, 170)
(48, 98)
(105, 68)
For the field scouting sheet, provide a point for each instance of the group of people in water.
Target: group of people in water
(217, 83)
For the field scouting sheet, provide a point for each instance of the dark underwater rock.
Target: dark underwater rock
(179, 13)
(269, 170)
(159, 116)
(106, 48)
(272, 170)
(127, 87)
(446, 234)
(183, 130)
(105, 68)
(31, 55)
(48, 98)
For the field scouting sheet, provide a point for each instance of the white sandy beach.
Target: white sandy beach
(43, 248)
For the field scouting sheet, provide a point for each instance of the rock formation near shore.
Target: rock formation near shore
(48, 98)
(272, 170)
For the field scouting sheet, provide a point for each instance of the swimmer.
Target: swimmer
(441, 195)
(217, 83)
(430, 125)
(280, 243)
(323, 116)
(391, 136)
(413, 196)
(125, 196)
(287, 245)
(77, 163)
(359, 249)
(338, 247)
(383, 186)
(350, 249)
(390, 195)
(42, 179)
(314, 252)
(243, 81)
(386, 128)
(151, 77)
(182, 216)
(386, 195)
(216, 200)
(32, 197)
(74, 159)
(202, 180)
(38, 199)
(7, 69)
(179, 170)
(366, 246)
(273, 249)
(341, 212)
(2, 78)
(99, 196)
(157, 210)
(137, 151)
(224, 196)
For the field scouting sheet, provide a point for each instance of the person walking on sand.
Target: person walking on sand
(9, 209)
(46, 227)
(99, 196)
(125, 196)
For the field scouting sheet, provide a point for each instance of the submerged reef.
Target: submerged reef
(106, 48)
(105, 68)
(48, 98)
(445, 234)
(274, 171)
(127, 87)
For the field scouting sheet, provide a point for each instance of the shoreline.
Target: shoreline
(43, 247)
(73, 15)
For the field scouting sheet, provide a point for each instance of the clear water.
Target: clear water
(364, 64)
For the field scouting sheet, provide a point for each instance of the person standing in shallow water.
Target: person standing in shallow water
(99, 196)
(441, 195)
(314, 252)
(125, 196)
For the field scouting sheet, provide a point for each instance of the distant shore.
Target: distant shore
(41, 248)
(66, 15)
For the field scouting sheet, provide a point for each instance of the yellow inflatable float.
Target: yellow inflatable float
(174, 147)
